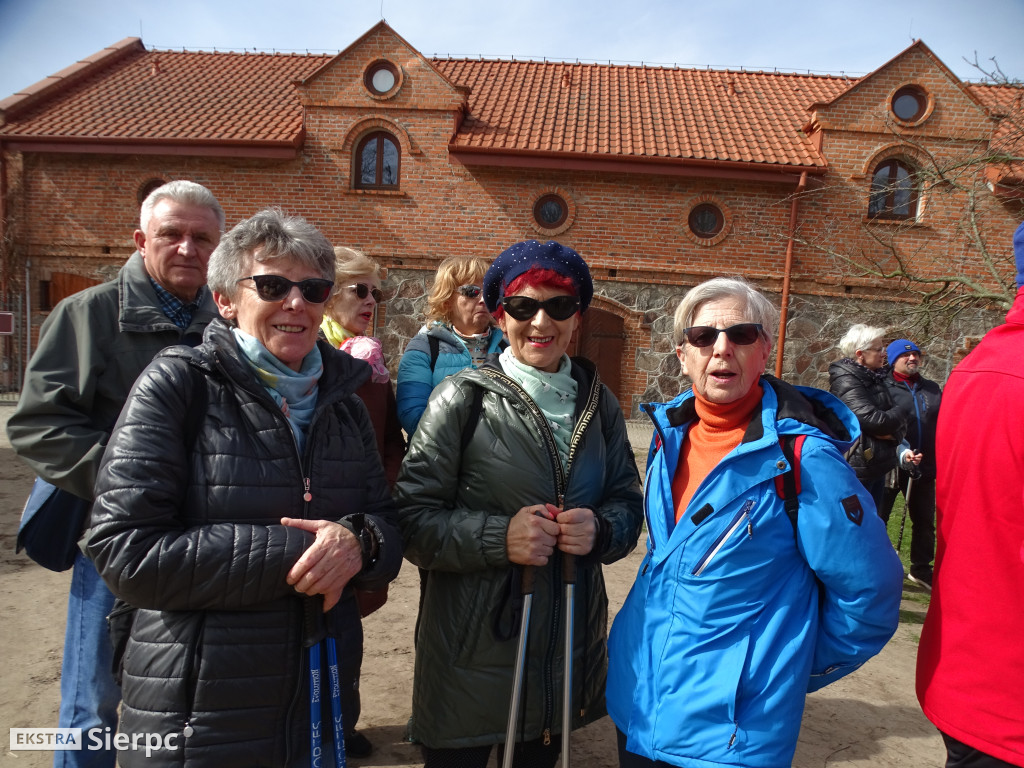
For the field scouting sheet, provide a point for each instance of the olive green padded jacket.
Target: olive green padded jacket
(454, 512)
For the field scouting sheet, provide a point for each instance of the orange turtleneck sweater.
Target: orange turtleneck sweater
(719, 429)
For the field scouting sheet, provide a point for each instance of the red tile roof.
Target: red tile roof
(639, 112)
(170, 97)
(1005, 101)
(128, 96)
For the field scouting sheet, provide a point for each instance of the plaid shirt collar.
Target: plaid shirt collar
(177, 311)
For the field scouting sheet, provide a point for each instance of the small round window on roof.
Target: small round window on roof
(550, 211)
(910, 103)
(381, 77)
(706, 220)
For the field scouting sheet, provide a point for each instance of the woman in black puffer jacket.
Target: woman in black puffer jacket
(858, 379)
(240, 499)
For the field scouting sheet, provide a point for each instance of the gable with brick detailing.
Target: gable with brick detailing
(659, 176)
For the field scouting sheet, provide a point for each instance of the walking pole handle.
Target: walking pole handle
(568, 568)
(529, 580)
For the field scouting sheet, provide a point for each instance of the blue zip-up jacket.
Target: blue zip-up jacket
(736, 613)
(415, 379)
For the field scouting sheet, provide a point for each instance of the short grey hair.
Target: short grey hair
(758, 309)
(184, 193)
(269, 235)
(859, 337)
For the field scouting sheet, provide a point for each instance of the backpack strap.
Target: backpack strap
(787, 485)
(435, 349)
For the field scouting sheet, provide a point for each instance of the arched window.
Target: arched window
(377, 162)
(893, 192)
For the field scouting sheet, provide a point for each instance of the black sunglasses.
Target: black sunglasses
(315, 290)
(557, 307)
(705, 335)
(363, 290)
(470, 291)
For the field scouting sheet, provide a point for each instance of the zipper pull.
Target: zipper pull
(307, 496)
(750, 530)
(188, 730)
(547, 737)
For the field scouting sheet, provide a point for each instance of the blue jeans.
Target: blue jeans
(88, 694)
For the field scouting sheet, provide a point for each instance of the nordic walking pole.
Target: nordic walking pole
(906, 506)
(569, 578)
(517, 679)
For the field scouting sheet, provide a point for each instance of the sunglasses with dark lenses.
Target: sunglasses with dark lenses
(705, 335)
(315, 290)
(557, 307)
(363, 290)
(470, 291)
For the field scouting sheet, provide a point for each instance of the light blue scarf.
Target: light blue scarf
(294, 391)
(554, 394)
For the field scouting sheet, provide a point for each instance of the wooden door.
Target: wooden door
(601, 339)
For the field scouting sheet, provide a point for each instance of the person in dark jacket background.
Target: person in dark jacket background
(546, 471)
(240, 498)
(858, 379)
(919, 398)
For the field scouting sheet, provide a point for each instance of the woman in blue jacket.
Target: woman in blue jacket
(459, 333)
(741, 605)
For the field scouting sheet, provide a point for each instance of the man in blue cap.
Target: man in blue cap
(919, 398)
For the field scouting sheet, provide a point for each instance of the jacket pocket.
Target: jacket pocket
(119, 627)
(700, 697)
(739, 525)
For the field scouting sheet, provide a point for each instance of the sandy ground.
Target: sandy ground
(870, 718)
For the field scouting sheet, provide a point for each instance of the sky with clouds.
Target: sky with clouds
(41, 37)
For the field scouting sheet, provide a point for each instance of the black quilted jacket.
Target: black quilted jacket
(187, 529)
(882, 423)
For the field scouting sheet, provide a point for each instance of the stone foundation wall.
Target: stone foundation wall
(814, 326)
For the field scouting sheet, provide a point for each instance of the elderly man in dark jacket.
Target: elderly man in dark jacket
(92, 348)
(919, 399)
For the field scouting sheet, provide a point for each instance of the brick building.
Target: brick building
(660, 177)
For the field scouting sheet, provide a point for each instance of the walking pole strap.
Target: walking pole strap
(315, 748)
(339, 730)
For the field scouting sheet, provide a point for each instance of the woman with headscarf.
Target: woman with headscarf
(240, 500)
(514, 466)
(459, 333)
(764, 577)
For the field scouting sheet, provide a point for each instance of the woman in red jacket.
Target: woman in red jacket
(970, 665)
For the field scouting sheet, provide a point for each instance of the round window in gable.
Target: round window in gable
(909, 104)
(381, 78)
(706, 220)
(550, 211)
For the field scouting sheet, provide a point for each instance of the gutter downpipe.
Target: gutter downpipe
(3, 214)
(787, 274)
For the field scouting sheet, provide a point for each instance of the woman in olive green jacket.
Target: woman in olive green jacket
(514, 465)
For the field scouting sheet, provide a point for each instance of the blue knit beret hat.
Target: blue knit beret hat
(532, 254)
(1018, 254)
(900, 347)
